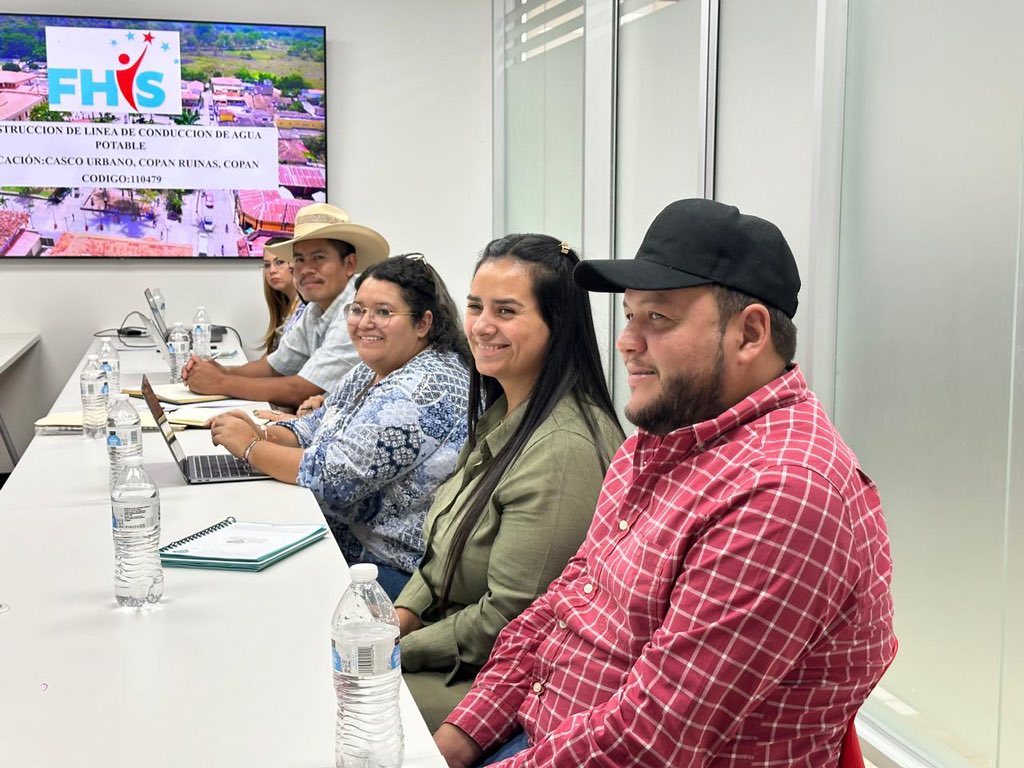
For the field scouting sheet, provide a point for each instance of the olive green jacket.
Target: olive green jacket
(535, 521)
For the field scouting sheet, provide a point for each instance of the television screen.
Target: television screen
(146, 138)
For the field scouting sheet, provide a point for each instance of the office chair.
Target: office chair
(850, 754)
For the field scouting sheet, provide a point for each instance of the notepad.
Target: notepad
(177, 394)
(71, 422)
(236, 546)
(197, 415)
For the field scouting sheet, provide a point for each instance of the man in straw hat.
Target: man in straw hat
(326, 251)
(730, 605)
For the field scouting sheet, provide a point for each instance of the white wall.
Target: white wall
(409, 154)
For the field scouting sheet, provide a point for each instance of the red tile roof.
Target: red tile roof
(305, 176)
(269, 206)
(78, 244)
(11, 225)
(291, 151)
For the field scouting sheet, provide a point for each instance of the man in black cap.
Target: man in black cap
(731, 603)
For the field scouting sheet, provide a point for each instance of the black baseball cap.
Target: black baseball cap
(703, 242)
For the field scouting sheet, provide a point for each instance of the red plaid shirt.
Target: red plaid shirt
(730, 605)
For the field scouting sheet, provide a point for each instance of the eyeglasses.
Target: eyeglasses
(381, 316)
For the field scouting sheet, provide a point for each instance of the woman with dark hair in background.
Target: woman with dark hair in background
(524, 491)
(283, 300)
(392, 429)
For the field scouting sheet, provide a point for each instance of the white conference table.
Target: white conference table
(230, 669)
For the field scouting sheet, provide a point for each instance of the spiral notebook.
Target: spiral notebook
(235, 546)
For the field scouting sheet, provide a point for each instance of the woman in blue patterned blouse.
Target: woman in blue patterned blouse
(390, 432)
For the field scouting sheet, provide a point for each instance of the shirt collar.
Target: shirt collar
(493, 430)
(337, 305)
(780, 392)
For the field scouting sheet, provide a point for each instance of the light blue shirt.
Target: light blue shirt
(318, 347)
(375, 455)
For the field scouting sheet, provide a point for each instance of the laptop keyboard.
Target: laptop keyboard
(215, 466)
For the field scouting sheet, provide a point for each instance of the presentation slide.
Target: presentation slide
(144, 138)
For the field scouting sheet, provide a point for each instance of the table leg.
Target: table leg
(8, 441)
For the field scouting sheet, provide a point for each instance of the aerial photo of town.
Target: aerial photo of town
(231, 75)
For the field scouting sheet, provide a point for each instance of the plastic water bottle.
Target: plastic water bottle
(93, 384)
(367, 671)
(179, 348)
(110, 362)
(124, 434)
(135, 515)
(201, 333)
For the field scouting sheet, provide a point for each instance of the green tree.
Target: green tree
(42, 114)
(194, 73)
(187, 117)
(10, 66)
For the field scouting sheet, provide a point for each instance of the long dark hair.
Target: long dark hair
(423, 289)
(572, 366)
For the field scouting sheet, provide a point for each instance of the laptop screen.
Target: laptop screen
(158, 316)
(161, 420)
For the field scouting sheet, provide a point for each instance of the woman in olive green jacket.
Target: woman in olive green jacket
(524, 490)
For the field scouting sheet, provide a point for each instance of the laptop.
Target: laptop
(158, 316)
(216, 331)
(161, 344)
(201, 468)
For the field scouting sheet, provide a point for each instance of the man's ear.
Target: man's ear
(350, 264)
(755, 331)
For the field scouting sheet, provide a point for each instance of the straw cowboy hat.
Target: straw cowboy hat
(321, 221)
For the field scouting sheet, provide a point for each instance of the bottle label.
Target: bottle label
(131, 517)
(366, 656)
(123, 436)
(106, 366)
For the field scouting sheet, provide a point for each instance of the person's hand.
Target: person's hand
(309, 405)
(205, 377)
(457, 748)
(234, 430)
(407, 621)
(274, 415)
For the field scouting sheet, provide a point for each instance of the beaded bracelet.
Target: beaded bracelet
(248, 450)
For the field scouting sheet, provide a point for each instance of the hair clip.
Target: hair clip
(414, 256)
(564, 248)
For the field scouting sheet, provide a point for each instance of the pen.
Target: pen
(230, 353)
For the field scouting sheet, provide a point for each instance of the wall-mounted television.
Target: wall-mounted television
(146, 138)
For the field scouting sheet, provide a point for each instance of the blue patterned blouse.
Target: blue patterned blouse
(376, 454)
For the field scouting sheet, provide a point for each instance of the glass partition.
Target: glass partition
(658, 135)
(544, 117)
(926, 352)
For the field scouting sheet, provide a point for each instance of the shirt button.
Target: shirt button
(588, 588)
(538, 687)
(623, 525)
(562, 624)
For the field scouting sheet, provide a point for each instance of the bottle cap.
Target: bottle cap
(362, 572)
(132, 461)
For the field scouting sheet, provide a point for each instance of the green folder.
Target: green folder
(234, 546)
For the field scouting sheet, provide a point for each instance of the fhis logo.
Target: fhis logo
(113, 70)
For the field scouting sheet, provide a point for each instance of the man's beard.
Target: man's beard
(686, 399)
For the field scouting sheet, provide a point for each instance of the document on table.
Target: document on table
(233, 545)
